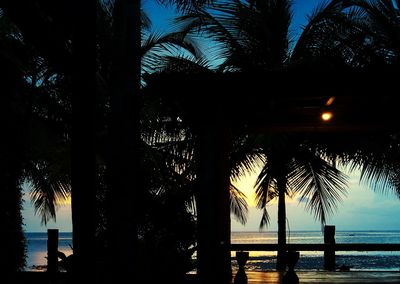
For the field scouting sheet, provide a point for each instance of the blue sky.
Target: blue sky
(362, 209)
(161, 15)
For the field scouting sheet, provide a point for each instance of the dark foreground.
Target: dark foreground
(327, 277)
(254, 277)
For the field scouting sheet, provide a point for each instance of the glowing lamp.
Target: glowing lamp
(326, 115)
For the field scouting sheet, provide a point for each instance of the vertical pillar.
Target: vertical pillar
(213, 205)
(83, 137)
(126, 183)
(52, 249)
(329, 253)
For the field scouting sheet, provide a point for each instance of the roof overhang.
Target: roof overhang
(285, 101)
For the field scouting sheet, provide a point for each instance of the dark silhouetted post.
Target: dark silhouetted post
(52, 249)
(281, 253)
(213, 203)
(126, 184)
(329, 253)
(83, 128)
(241, 258)
(290, 276)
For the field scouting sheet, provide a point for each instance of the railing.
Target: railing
(317, 247)
(329, 247)
(329, 258)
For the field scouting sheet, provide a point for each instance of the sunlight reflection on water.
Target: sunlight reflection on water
(37, 249)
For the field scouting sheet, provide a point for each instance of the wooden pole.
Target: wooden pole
(282, 249)
(83, 138)
(127, 188)
(52, 249)
(329, 253)
(213, 204)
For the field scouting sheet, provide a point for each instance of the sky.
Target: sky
(361, 209)
(33, 222)
(162, 14)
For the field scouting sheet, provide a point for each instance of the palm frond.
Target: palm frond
(378, 175)
(265, 219)
(48, 190)
(318, 183)
(184, 64)
(395, 181)
(239, 206)
(384, 24)
(335, 31)
(171, 43)
(378, 162)
(266, 187)
(376, 158)
(258, 37)
(220, 31)
(185, 5)
(245, 157)
(158, 49)
(146, 21)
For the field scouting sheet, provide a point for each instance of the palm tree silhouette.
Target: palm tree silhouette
(37, 133)
(253, 37)
(249, 38)
(51, 181)
(380, 25)
(13, 115)
(125, 131)
(295, 168)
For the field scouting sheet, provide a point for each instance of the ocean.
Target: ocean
(37, 249)
(358, 261)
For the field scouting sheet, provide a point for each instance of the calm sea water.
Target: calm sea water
(37, 249)
(385, 261)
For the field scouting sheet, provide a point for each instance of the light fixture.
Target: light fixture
(326, 115)
(330, 101)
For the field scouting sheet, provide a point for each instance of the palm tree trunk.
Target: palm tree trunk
(124, 165)
(13, 252)
(281, 258)
(213, 207)
(83, 167)
(14, 144)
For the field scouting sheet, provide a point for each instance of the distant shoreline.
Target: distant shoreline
(264, 231)
(45, 232)
(268, 231)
